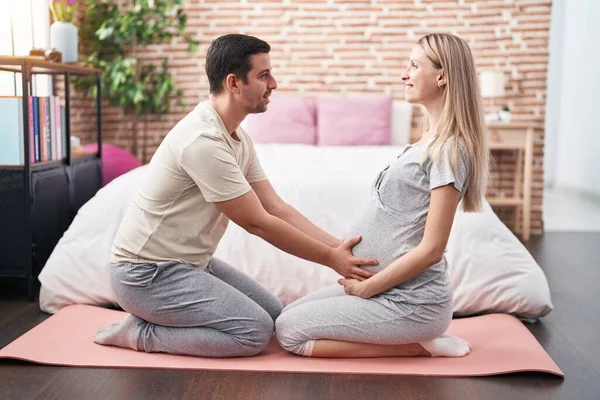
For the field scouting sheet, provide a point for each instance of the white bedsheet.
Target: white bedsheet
(491, 270)
(328, 185)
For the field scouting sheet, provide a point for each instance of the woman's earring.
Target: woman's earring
(440, 84)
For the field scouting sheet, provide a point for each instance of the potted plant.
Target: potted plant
(504, 114)
(116, 33)
(63, 33)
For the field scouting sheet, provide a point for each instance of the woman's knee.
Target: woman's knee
(291, 338)
(436, 320)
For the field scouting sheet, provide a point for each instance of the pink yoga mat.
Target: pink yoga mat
(500, 344)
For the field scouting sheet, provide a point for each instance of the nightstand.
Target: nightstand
(516, 136)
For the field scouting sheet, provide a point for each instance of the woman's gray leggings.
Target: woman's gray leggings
(332, 314)
(213, 312)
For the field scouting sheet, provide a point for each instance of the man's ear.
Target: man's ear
(232, 84)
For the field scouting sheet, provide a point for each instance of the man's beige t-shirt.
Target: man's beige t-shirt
(172, 215)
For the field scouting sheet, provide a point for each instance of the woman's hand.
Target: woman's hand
(355, 287)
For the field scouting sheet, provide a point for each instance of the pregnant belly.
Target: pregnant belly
(377, 242)
(386, 239)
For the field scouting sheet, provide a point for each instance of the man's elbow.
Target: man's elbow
(255, 230)
(257, 226)
(278, 209)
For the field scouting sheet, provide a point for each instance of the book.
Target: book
(52, 112)
(32, 154)
(36, 130)
(48, 131)
(59, 133)
(43, 130)
(11, 131)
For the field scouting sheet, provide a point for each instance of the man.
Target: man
(205, 173)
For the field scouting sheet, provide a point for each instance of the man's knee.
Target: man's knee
(274, 309)
(260, 333)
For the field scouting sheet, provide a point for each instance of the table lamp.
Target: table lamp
(492, 85)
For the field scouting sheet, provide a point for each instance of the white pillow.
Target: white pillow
(491, 270)
(401, 122)
(77, 270)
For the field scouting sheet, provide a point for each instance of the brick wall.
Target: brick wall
(359, 46)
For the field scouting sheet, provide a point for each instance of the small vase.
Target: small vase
(504, 116)
(63, 37)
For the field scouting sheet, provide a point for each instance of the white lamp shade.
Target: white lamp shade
(492, 83)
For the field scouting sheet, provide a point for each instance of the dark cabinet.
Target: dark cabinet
(38, 201)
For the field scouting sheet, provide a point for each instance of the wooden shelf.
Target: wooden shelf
(50, 163)
(39, 65)
(517, 125)
(505, 201)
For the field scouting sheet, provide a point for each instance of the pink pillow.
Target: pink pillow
(354, 121)
(115, 161)
(288, 119)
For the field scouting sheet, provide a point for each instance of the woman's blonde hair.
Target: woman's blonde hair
(462, 113)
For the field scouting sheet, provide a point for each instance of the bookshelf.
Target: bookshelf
(39, 198)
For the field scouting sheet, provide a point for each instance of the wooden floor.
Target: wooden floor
(570, 334)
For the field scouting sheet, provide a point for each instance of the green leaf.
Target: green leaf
(137, 86)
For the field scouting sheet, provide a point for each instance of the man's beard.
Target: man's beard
(258, 109)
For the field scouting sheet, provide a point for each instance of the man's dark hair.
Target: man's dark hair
(230, 54)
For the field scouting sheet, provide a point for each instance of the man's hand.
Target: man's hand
(355, 288)
(338, 242)
(247, 212)
(344, 263)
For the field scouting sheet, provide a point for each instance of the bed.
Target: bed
(491, 271)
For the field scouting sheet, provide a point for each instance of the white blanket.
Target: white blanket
(491, 270)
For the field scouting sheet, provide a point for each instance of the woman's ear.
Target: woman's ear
(231, 82)
(441, 81)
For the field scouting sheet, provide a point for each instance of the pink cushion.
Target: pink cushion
(115, 161)
(354, 121)
(288, 119)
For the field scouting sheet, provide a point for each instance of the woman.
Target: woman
(406, 308)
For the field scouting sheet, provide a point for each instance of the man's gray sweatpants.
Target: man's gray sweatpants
(182, 309)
